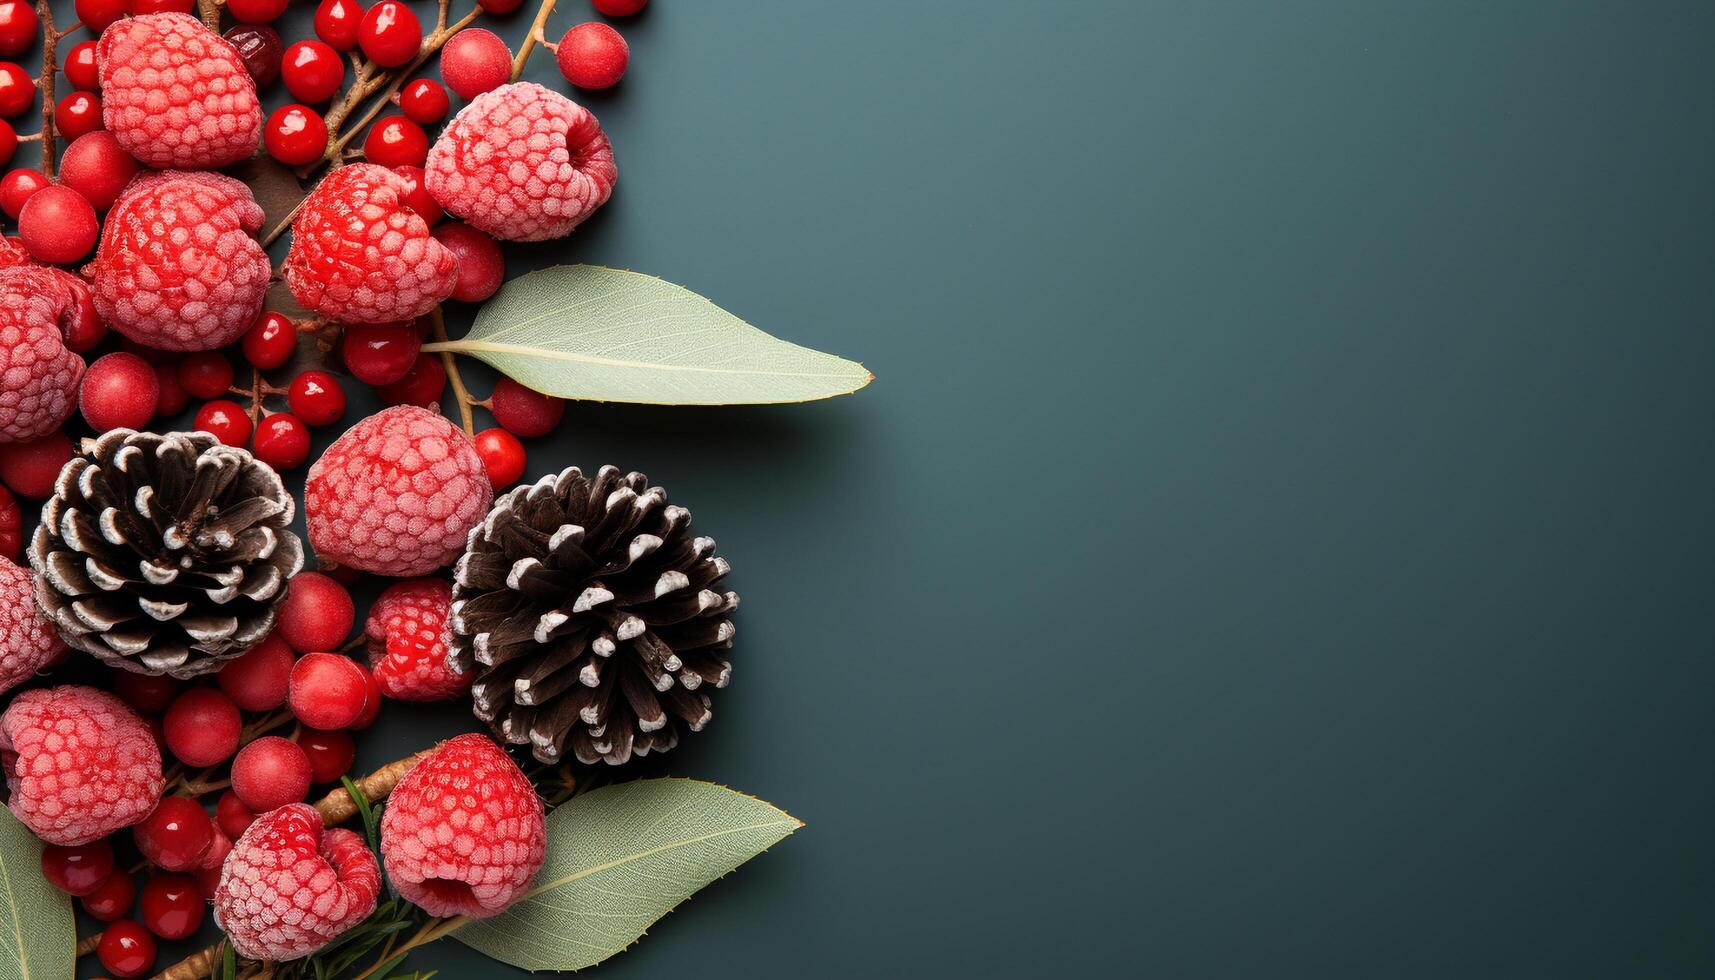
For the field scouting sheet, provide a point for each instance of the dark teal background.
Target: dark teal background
(1278, 539)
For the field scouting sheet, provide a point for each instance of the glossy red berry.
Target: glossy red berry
(592, 55)
(17, 88)
(232, 816)
(18, 27)
(147, 693)
(226, 420)
(499, 6)
(481, 268)
(270, 341)
(328, 691)
(29, 468)
(330, 753)
(396, 142)
(97, 14)
(119, 391)
(380, 353)
(422, 385)
(524, 412)
(76, 114)
(126, 949)
(475, 61)
(371, 700)
(78, 870)
(80, 67)
(316, 397)
(502, 455)
(172, 905)
(270, 773)
(417, 196)
(96, 166)
(619, 8)
(113, 899)
(201, 727)
(205, 374)
(16, 188)
(282, 441)
(58, 225)
(337, 22)
(8, 142)
(313, 71)
(176, 836)
(256, 11)
(260, 48)
(317, 615)
(257, 680)
(390, 34)
(140, 7)
(172, 398)
(295, 135)
(422, 100)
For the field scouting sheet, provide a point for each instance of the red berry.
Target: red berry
(316, 397)
(422, 385)
(313, 71)
(17, 88)
(256, 11)
(201, 727)
(172, 905)
(380, 353)
(226, 420)
(232, 816)
(271, 341)
(371, 700)
(330, 753)
(422, 100)
(317, 615)
(295, 135)
(126, 949)
(16, 188)
(97, 14)
(481, 267)
(592, 55)
(282, 441)
(499, 6)
(58, 225)
(619, 8)
(524, 412)
(76, 114)
(140, 7)
(18, 27)
(147, 693)
(328, 691)
(8, 142)
(257, 681)
(337, 22)
(396, 142)
(78, 870)
(119, 391)
(30, 468)
(502, 455)
(11, 527)
(417, 196)
(205, 374)
(96, 166)
(80, 67)
(173, 397)
(270, 773)
(260, 48)
(475, 61)
(113, 898)
(390, 34)
(176, 836)
(84, 328)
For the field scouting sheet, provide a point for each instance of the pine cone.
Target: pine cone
(586, 610)
(164, 554)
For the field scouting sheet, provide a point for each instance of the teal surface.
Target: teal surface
(1278, 539)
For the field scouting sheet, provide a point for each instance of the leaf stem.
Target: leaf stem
(461, 394)
(529, 43)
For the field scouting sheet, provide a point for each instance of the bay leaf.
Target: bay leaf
(600, 334)
(38, 939)
(619, 858)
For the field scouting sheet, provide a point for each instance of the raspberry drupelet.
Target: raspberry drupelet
(176, 94)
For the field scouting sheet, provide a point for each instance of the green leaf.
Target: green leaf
(38, 940)
(619, 858)
(590, 332)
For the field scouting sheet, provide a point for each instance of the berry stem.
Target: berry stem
(460, 393)
(87, 944)
(210, 11)
(431, 44)
(50, 67)
(529, 43)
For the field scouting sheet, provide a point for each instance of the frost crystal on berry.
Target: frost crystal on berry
(27, 639)
(79, 763)
(176, 94)
(38, 375)
(288, 887)
(522, 163)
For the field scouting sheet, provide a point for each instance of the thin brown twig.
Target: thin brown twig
(524, 49)
(461, 394)
(50, 67)
(433, 43)
(88, 944)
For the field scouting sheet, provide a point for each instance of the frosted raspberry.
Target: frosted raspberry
(177, 268)
(176, 94)
(80, 764)
(463, 833)
(38, 375)
(28, 642)
(408, 642)
(522, 163)
(397, 494)
(288, 887)
(361, 255)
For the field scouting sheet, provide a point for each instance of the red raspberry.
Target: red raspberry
(463, 833)
(397, 494)
(522, 163)
(289, 887)
(407, 630)
(80, 763)
(177, 269)
(28, 642)
(40, 375)
(360, 255)
(176, 94)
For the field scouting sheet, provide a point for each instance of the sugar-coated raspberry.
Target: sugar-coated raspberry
(80, 763)
(408, 640)
(290, 887)
(360, 255)
(176, 835)
(317, 615)
(96, 166)
(592, 55)
(463, 833)
(270, 772)
(176, 94)
(202, 727)
(522, 163)
(38, 376)
(28, 642)
(257, 680)
(327, 691)
(177, 268)
(397, 494)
